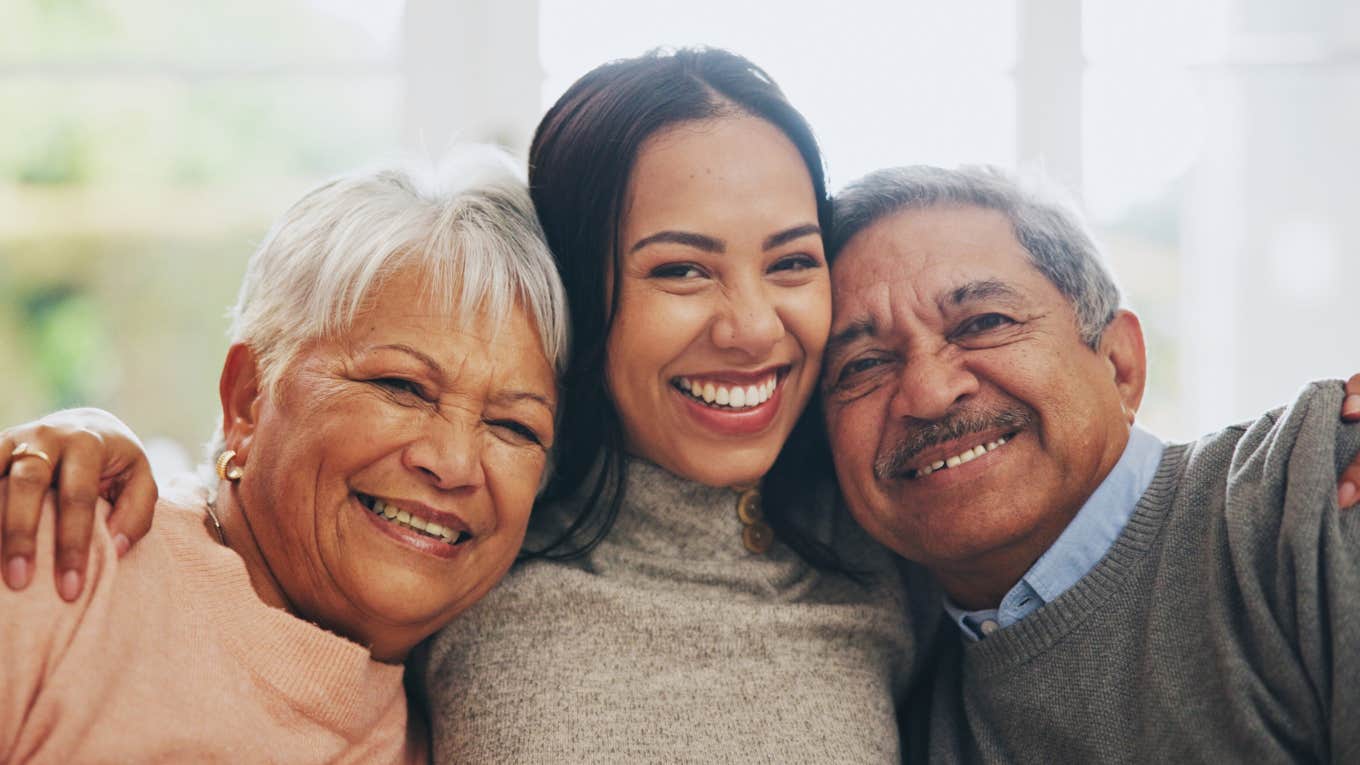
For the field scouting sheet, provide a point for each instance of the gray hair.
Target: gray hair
(1045, 224)
(468, 224)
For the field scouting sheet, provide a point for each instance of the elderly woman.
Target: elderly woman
(388, 403)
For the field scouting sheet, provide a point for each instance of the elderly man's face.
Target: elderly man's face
(968, 419)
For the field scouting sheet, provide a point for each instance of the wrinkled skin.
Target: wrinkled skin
(96, 455)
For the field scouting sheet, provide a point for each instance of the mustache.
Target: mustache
(894, 462)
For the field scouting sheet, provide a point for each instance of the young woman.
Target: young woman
(684, 200)
(689, 592)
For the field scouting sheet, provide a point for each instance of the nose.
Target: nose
(749, 322)
(448, 455)
(931, 383)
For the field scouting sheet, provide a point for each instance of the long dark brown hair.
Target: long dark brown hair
(579, 166)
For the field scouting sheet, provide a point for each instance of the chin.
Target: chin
(734, 466)
(407, 606)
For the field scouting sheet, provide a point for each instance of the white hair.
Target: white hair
(468, 225)
(1045, 222)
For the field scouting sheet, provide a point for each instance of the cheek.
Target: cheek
(651, 330)
(808, 319)
(851, 432)
(513, 477)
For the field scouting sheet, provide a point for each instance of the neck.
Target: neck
(983, 583)
(241, 539)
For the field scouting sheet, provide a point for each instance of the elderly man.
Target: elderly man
(1109, 597)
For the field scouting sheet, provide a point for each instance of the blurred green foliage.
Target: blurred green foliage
(147, 146)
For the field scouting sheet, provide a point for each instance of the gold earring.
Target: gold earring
(227, 471)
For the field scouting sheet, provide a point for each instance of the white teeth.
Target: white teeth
(736, 397)
(429, 528)
(968, 455)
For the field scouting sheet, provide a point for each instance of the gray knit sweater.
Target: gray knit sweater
(671, 643)
(1223, 626)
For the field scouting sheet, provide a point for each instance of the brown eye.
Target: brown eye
(984, 323)
(517, 429)
(401, 386)
(677, 271)
(800, 262)
(857, 366)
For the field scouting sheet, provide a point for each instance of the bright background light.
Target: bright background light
(148, 144)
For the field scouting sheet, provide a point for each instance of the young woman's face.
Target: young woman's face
(724, 299)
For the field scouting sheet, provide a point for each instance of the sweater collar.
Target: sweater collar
(664, 514)
(324, 676)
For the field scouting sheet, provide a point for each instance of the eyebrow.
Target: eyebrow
(718, 246)
(430, 364)
(857, 329)
(516, 396)
(686, 238)
(982, 289)
(435, 370)
(788, 235)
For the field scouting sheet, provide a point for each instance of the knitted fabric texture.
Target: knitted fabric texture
(671, 642)
(170, 656)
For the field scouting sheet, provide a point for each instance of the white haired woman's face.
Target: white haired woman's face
(390, 473)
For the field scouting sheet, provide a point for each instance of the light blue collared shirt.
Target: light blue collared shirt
(1082, 544)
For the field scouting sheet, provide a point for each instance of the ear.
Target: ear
(1122, 346)
(239, 389)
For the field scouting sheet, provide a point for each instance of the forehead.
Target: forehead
(717, 171)
(921, 254)
(402, 310)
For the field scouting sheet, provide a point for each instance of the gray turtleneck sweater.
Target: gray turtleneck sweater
(670, 642)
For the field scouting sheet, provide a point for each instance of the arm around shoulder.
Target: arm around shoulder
(1318, 554)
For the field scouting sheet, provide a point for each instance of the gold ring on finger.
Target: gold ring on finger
(24, 450)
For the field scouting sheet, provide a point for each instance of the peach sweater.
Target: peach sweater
(169, 656)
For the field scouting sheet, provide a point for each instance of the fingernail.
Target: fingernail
(1345, 496)
(121, 544)
(17, 573)
(69, 589)
(1351, 406)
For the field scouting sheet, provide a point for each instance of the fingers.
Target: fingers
(91, 454)
(1350, 406)
(131, 517)
(29, 478)
(1348, 486)
(77, 491)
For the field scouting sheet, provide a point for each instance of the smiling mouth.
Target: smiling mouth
(392, 514)
(726, 396)
(962, 458)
